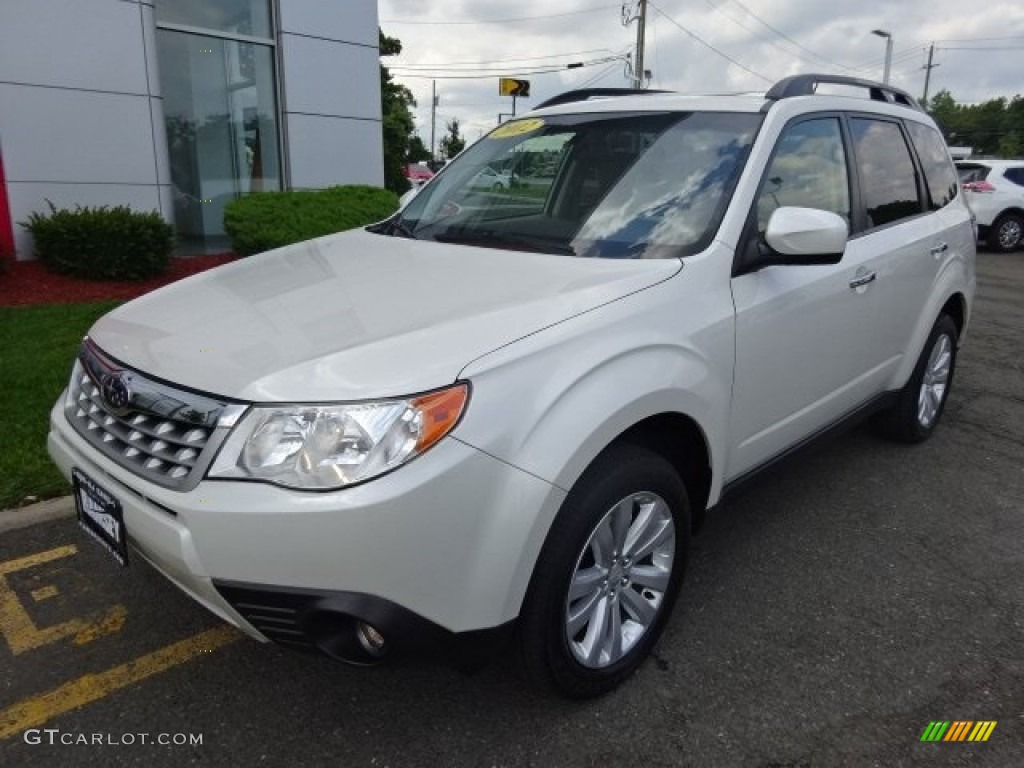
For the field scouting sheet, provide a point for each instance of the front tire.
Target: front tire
(1006, 233)
(914, 416)
(608, 574)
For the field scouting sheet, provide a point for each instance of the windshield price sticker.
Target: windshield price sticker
(516, 128)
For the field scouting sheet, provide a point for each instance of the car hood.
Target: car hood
(356, 315)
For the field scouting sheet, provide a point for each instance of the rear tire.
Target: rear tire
(914, 416)
(608, 574)
(1006, 233)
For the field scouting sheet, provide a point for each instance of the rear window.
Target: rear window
(971, 172)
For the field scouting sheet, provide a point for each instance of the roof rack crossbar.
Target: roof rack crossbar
(806, 85)
(582, 94)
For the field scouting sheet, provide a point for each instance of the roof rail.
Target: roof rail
(806, 85)
(582, 94)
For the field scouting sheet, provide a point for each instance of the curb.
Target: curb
(34, 514)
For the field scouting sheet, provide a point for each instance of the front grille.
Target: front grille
(156, 431)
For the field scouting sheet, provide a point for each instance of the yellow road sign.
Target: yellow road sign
(509, 86)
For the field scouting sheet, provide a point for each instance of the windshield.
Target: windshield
(622, 185)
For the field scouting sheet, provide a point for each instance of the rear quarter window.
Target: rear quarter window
(1015, 175)
(939, 174)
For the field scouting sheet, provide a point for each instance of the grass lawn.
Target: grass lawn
(37, 347)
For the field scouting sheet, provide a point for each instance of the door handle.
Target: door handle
(861, 280)
(938, 250)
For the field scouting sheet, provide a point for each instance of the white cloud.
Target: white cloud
(827, 39)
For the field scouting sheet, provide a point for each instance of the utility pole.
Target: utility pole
(640, 33)
(928, 74)
(639, 75)
(433, 117)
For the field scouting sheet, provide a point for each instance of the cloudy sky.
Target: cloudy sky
(692, 46)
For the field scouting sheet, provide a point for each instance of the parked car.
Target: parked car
(495, 419)
(995, 192)
(418, 174)
(488, 178)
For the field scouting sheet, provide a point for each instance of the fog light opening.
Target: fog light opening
(370, 639)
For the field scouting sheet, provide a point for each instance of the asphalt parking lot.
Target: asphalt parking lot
(831, 613)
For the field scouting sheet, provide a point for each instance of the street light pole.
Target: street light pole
(888, 52)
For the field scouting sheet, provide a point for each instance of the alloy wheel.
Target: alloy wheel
(619, 582)
(935, 381)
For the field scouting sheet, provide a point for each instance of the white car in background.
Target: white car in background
(490, 179)
(995, 192)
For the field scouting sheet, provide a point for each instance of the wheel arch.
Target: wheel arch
(680, 440)
(956, 308)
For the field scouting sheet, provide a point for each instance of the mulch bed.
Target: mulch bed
(24, 283)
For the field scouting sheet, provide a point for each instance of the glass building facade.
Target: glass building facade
(217, 76)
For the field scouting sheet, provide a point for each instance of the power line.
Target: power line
(763, 38)
(706, 44)
(980, 50)
(503, 68)
(497, 21)
(598, 76)
(563, 68)
(787, 38)
(502, 61)
(976, 39)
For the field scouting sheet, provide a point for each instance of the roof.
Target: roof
(790, 89)
(995, 162)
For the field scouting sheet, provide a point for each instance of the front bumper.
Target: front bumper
(441, 547)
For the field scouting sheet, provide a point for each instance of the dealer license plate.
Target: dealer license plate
(100, 514)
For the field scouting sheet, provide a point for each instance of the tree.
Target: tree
(994, 127)
(417, 149)
(452, 143)
(397, 126)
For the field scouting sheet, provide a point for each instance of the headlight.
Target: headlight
(321, 447)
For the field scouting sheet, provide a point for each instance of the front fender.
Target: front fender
(549, 404)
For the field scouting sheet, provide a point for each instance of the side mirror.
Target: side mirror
(805, 236)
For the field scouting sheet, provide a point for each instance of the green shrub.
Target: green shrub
(266, 220)
(102, 243)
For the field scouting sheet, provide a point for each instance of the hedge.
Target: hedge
(266, 220)
(102, 243)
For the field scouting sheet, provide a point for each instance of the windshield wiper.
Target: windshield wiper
(394, 228)
(514, 240)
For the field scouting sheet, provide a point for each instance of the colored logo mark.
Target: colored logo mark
(959, 730)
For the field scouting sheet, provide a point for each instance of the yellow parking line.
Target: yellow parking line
(38, 710)
(17, 627)
(44, 593)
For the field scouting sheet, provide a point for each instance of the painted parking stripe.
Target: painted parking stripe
(38, 710)
(22, 634)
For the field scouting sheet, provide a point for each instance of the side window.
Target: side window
(939, 174)
(1016, 175)
(887, 174)
(808, 170)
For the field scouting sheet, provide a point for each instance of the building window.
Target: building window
(220, 108)
(239, 17)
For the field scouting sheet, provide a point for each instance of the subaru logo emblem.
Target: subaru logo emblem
(115, 391)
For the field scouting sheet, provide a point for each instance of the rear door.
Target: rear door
(900, 232)
(806, 352)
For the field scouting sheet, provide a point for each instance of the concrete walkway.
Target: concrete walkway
(33, 514)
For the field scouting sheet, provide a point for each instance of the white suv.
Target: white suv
(995, 192)
(501, 413)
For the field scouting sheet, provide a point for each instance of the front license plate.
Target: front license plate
(100, 514)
